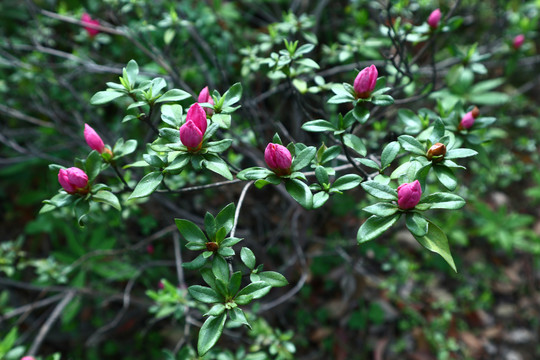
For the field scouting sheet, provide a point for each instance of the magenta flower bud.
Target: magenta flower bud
(278, 158)
(191, 136)
(204, 97)
(365, 82)
(73, 180)
(160, 284)
(87, 19)
(198, 116)
(467, 121)
(409, 195)
(518, 41)
(434, 18)
(28, 358)
(150, 249)
(93, 140)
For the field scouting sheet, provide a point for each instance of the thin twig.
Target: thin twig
(239, 206)
(50, 321)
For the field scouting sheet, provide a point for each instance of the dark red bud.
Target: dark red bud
(212, 246)
(475, 112)
(437, 149)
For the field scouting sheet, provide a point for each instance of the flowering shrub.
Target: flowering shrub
(382, 125)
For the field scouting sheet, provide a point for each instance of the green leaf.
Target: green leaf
(173, 95)
(190, 231)
(216, 164)
(233, 95)
(223, 120)
(360, 113)
(347, 182)
(103, 97)
(92, 165)
(81, 209)
(254, 173)
(299, 192)
(412, 145)
(322, 175)
(381, 209)
(273, 278)
(220, 268)
(355, 143)
(446, 177)
(443, 200)
(318, 126)
(172, 115)
(147, 185)
(124, 148)
(132, 70)
(460, 153)
(435, 240)
(382, 100)
(416, 224)
(380, 191)
(205, 294)
(238, 315)
(219, 146)
(179, 163)
(230, 241)
(255, 290)
(196, 263)
(210, 333)
(216, 310)
(248, 258)
(319, 199)
(375, 226)
(235, 282)
(107, 197)
(491, 98)
(225, 218)
(413, 124)
(438, 131)
(389, 153)
(303, 158)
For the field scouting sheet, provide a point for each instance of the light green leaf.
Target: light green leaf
(375, 226)
(147, 185)
(210, 333)
(435, 240)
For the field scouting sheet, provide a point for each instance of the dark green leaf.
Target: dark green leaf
(233, 95)
(459, 153)
(347, 182)
(248, 258)
(446, 177)
(318, 126)
(173, 95)
(147, 185)
(443, 200)
(103, 97)
(303, 158)
(217, 165)
(416, 224)
(375, 226)
(389, 153)
(382, 100)
(107, 197)
(190, 231)
(254, 173)
(255, 290)
(319, 199)
(273, 278)
(299, 192)
(355, 143)
(381, 209)
(220, 268)
(412, 145)
(92, 165)
(225, 218)
(435, 240)
(204, 294)
(210, 333)
(380, 191)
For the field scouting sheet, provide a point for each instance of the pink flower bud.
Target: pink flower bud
(28, 358)
(198, 116)
(93, 140)
(365, 82)
(518, 41)
(160, 284)
(409, 195)
(190, 135)
(467, 121)
(87, 19)
(278, 158)
(150, 249)
(73, 180)
(434, 18)
(204, 97)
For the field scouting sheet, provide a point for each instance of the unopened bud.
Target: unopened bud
(434, 18)
(278, 158)
(212, 246)
(365, 82)
(409, 195)
(436, 152)
(73, 180)
(475, 112)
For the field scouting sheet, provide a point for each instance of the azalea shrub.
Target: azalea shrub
(221, 142)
